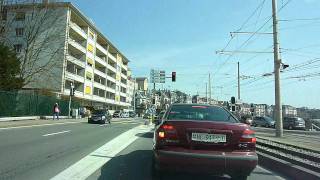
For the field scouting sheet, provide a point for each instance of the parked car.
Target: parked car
(205, 139)
(100, 116)
(263, 121)
(116, 114)
(124, 115)
(294, 123)
(132, 114)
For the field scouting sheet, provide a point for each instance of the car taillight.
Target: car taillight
(248, 136)
(167, 131)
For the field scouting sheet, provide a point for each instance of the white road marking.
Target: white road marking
(95, 160)
(38, 125)
(61, 132)
(274, 175)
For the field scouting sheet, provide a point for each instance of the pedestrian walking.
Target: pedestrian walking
(56, 111)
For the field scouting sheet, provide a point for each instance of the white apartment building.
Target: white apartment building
(84, 55)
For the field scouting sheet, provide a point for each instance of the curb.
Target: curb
(288, 169)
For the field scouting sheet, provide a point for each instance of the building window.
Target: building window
(19, 32)
(20, 16)
(17, 48)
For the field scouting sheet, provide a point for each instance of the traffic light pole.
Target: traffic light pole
(277, 63)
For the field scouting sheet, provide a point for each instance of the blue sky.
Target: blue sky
(184, 35)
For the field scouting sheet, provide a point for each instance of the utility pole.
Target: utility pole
(134, 94)
(277, 63)
(209, 88)
(238, 80)
(206, 93)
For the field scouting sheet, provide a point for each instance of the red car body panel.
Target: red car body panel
(176, 150)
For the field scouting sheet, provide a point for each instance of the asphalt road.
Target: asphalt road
(134, 162)
(42, 152)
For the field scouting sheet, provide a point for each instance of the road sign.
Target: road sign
(157, 76)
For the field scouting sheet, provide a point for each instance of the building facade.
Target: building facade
(84, 58)
(142, 84)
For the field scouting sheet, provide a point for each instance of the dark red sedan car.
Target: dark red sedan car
(205, 139)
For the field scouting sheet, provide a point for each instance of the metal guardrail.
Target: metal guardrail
(315, 127)
(306, 158)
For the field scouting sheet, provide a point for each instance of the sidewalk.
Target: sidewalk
(5, 124)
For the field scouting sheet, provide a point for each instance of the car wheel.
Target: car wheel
(290, 127)
(102, 121)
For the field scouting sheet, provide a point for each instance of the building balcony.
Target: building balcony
(79, 30)
(98, 98)
(110, 101)
(123, 85)
(98, 85)
(76, 93)
(123, 94)
(111, 68)
(72, 76)
(125, 67)
(76, 61)
(77, 45)
(111, 79)
(112, 57)
(100, 61)
(102, 49)
(109, 89)
(98, 72)
(124, 76)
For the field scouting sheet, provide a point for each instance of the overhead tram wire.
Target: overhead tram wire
(241, 27)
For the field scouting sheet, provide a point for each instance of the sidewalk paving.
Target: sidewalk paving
(6, 124)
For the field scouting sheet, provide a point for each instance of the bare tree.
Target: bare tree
(42, 38)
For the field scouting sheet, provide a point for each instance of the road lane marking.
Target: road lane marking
(61, 132)
(96, 159)
(38, 125)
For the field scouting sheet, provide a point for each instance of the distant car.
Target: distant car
(116, 114)
(124, 115)
(100, 116)
(204, 139)
(294, 123)
(263, 121)
(132, 114)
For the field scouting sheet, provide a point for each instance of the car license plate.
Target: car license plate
(205, 137)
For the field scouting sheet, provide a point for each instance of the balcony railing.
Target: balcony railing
(78, 29)
(77, 45)
(102, 49)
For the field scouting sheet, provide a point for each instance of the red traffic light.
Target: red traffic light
(173, 76)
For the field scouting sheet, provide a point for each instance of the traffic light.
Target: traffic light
(233, 100)
(233, 108)
(72, 91)
(173, 76)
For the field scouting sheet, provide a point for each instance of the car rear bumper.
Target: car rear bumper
(215, 162)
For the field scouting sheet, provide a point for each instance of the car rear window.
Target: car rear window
(201, 113)
(99, 111)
